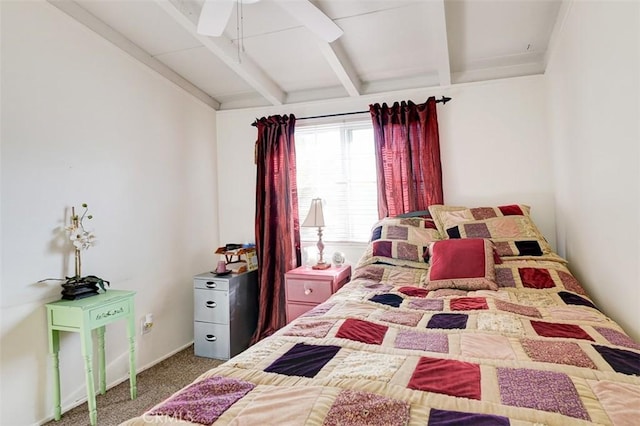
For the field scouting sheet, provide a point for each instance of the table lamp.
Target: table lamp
(314, 219)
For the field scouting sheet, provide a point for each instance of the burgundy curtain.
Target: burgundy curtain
(407, 156)
(277, 223)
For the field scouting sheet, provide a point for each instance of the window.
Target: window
(337, 163)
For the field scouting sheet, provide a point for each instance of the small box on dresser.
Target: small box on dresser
(225, 313)
(306, 288)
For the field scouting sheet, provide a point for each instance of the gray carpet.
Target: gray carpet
(154, 385)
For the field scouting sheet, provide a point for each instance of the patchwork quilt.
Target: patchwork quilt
(385, 351)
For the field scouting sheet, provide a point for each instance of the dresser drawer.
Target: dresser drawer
(211, 340)
(105, 314)
(211, 306)
(212, 284)
(308, 291)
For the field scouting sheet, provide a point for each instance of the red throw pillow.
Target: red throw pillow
(465, 264)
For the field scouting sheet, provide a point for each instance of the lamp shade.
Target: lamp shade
(315, 218)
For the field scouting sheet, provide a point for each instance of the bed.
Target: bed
(467, 317)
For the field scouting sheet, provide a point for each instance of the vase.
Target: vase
(78, 264)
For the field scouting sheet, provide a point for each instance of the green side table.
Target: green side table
(82, 316)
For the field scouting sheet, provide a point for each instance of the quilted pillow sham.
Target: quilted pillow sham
(511, 235)
(401, 241)
(461, 264)
(510, 227)
(415, 229)
(448, 216)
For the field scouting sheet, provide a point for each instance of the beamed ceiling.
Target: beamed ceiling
(272, 59)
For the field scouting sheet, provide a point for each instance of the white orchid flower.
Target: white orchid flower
(75, 234)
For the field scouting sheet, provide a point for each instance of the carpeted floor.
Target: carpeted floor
(154, 385)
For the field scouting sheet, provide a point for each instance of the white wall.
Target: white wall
(84, 122)
(593, 88)
(493, 137)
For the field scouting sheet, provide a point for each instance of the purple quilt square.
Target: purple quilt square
(377, 287)
(432, 342)
(409, 319)
(570, 283)
(477, 230)
(448, 321)
(540, 390)
(622, 361)
(616, 337)
(503, 248)
(504, 277)
(382, 248)
(528, 248)
(427, 304)
(303, 360)
(408, 251)
(574, 299)
(457, 418)
(353, 407)
(369, 273)
(387, 299)
(376, 234)
(397, 232)
(319, 310)
(557, 353)
(480, 213)
(204, 401)
(529, 311)
(316, 329)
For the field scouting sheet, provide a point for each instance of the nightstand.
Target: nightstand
(225, 313)
(83, 316)
(306, 287)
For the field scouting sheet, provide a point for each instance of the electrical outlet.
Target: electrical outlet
(146, 324)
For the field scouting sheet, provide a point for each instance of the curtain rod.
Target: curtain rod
(443, 100)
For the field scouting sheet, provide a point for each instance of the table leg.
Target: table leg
(54, 349)
(131, 332)
(101, 362)
(87, 353)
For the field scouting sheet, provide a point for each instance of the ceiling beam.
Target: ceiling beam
(439, 30)
(341, 65)
(83, 16)
(224, 49)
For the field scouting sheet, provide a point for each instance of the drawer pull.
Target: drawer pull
(308, 291)
(211, 304)
(211, 284)
(211, 338)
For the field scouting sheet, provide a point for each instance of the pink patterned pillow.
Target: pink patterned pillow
(466, 264)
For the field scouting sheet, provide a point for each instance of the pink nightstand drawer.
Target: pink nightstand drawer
(308, 291)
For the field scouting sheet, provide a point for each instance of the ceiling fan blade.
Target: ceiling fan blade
(312, 17)
(214, 17)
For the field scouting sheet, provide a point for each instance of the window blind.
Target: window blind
(337, 163)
